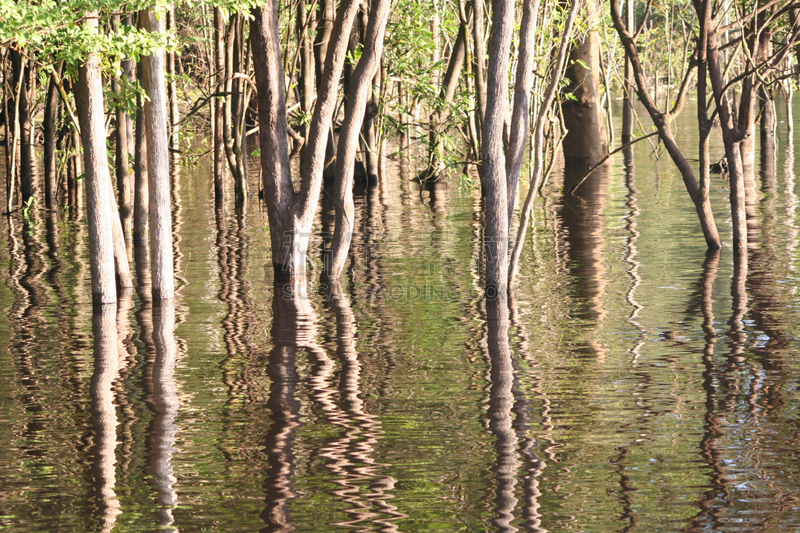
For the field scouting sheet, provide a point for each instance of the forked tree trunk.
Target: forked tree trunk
(155, 114)
(91, 113)
(494, 163)
(357, 98)
(537, 156)
(291, 212)
(731, 137)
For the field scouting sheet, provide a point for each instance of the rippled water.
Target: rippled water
(634, 383)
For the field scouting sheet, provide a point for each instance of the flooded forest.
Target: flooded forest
(399, 266)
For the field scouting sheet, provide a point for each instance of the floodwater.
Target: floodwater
(633, 383)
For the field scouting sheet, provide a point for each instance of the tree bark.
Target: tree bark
(585, 143)
(219, 107)
(91, 114)
(520, 115)
(494, 163)
(627, 101)
(155, 114)
(291, 212)
(141, 203)
(50, 157)
(357, 98)
(662, 121)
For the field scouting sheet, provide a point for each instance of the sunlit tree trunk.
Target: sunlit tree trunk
(662, 121)
(291, 212)
(156, 119)
(358, 97)
(585, 143)
(492, 156)
(91, 114)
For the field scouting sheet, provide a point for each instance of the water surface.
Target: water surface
(633, 382)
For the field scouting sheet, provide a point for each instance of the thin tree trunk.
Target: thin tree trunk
(494, 164)
(155, 113)
(448, 89)
(141, 203)
(358, 96)
(662, 122)
(627, 102)
(232, 149)
(480, 60)
(50, 157)
(537, 155)
(219, 107)
(27, 154)
(520, 116)
(123, 171)
(89, 101)
(172, 93)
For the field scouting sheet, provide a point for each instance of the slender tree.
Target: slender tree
(91, 113)
(156, 120)
(357, 98)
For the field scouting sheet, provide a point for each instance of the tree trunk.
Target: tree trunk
(627, 102)
(232, 149)
(327, 15)
(141, 203)
(520, 116)
(172, 94)
(155, 114)
(446, 93)
(291, 213)
(27, 166)
(480, 60)
(219, 107)
(357, 98)
(123, 171)
(538, 147)
(50, 157)
(494, 163)
(731, 138)
(370, 131)
(662, 121)
(89, 101)
(585, 143)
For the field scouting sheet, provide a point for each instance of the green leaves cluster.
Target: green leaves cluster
(53, 31)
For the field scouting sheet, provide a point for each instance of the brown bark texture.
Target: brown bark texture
(358, 97)
(156, 119)
(91, 114)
